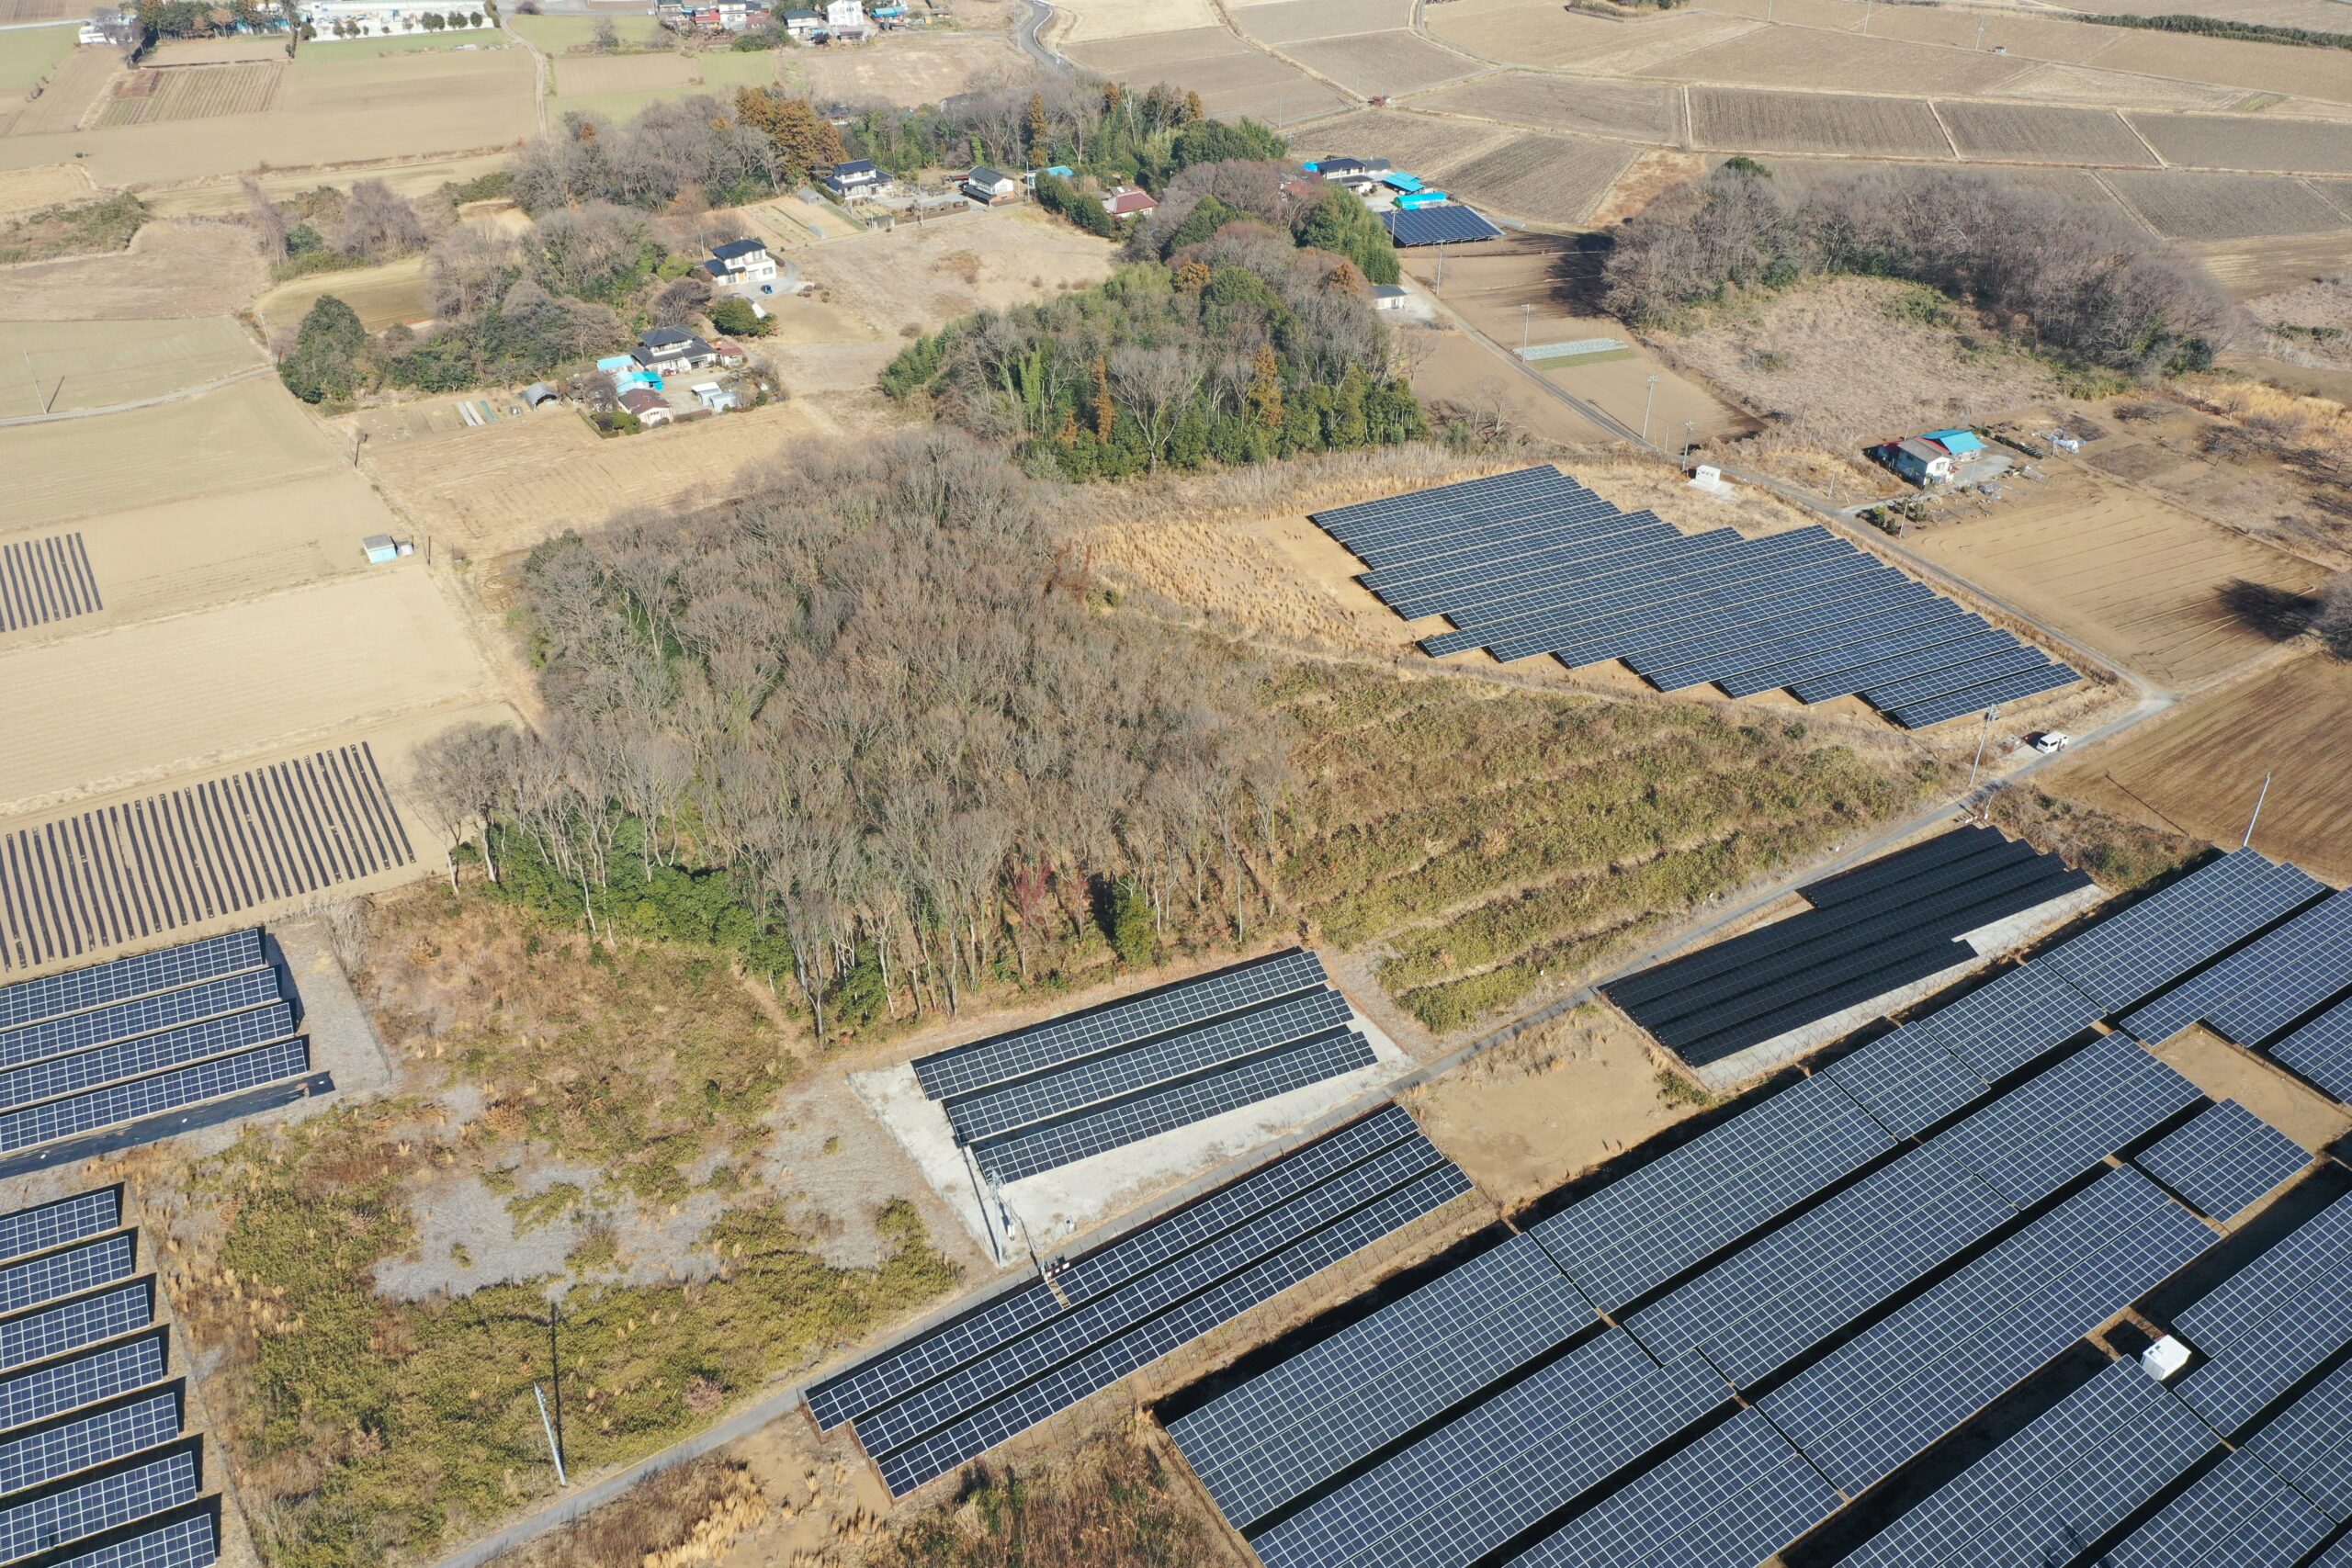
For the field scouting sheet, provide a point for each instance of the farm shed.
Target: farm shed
(991, 186)
(538, 394)
(1388, 296)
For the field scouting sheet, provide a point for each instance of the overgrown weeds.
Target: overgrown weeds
(2119, 854)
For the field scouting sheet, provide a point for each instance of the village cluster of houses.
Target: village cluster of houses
(641, 380)
(838, 21)
(1383, 185)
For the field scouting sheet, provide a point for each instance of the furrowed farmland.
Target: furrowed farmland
(193, 92)
(2183, 205)
(2033, 134)
(2219, 141)
(1550, 179)
(1636, 111)
(1734, 120)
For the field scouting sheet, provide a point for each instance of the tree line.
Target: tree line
(865, 729)
(2067, 274)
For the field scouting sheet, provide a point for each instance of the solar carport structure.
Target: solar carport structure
(1531, 562)
(1866, 1296)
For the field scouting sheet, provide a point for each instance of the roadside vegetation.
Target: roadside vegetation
(2215, 26)
(2120, 854)
(78, 229)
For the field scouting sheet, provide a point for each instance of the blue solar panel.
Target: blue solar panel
(2308, 1444)
(1536, 600)
(1733, 1499)
(1025, 1406)
(1914, 690)
(1442, 509)
(2265, 984)
(125, 977)
(146, 1097)
(2127, 956)
(149, 1054)
(934, 1354)
(1897, 670)
(1467, 559)
(68, 1273)
(69, 1326)
(80, 1031)
(2272, 1322)
(1908, 1080)
(1787, 636)
(2237, 1515)
(2075, 1473)
(1473, 592)
(42, 1392)
(1775, 1299)
(98, 1504)
(2224, 1159)
(2322, 1051)
(84, 1442)
(1467, 1487)
(2033, 1140)
(1290, 1429)
(1854, 586)
(1909, 1378)
(1947, 623)
(45, 1226)
(183, 1543)
(1819, 649)
(1922, 712)
(1648, 1225)
(2011, 1020)
(1441, 225)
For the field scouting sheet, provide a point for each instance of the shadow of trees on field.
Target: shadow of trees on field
(2273, 613)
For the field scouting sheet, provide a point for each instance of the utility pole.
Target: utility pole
(1690, 427)
(48, 399)
(2248, 842)
(561, 1479)
(1980, 37)
(1525, 313)
(1648, 403)
(555, 1371)
(1990, 714)
(1440, 269)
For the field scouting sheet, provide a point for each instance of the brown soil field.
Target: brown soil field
(1231, 77)
(2235, 141)
(2338, 193)
(329, 111)
(217, 50)
(2117, 89)
(1635, 110)
(2197, 770)
(1802, 57)
(917, 276)
(1738, 120)
(71, 91)
(2251, 267)
(1378, 65)
(2183, 206)
(88, 365)
(575, 75)
(1450, 369)
(1792, 356)
(195, 92)
(1427, 146)
(144, 701)
(40, 10)
(2030, 36)
(170, 269)
(1157, 48)
(1654, 172)
(1097, 19)
(1299, 21)
(2035, 133)
(1543, 34)
(903, 70)
(248, 432)
(384, 295)
(1545, 179)
(2123, 571)
(29, 190)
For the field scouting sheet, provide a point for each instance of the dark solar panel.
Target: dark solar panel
(183, 1543)
(1896, 695)
(2224, 1159)
(1472, 592)
(2273, 1322)
(1907, 1080)
(1736, 1497)
(934, 1354)
(45, 1226)
(2237, 1514)
(2075, 1473)
(1970, 650)
(84, 1442)
(79, 1032)
(39, 1392)
(147, 1097)
(61, 1075)
(1812, 651)
(2322, 1051)
(1288, 1430)
(1442, 225)
(67, 1272)
(1814, 602)
(1947, 623)
(2012, 1020)
(53, 1330)
(1537, 600)
(100, 1503)
(2265, 984)
(1127, 1021)
(1891, 872)
(126, 977)
(2127, 956)
(2043, 1133)
(1909, 1378)
(1922, 712)
(2308, 1444)
(1841, 618)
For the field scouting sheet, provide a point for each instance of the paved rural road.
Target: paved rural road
(1029, 30)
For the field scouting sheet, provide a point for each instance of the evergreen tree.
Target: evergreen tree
(329, 348)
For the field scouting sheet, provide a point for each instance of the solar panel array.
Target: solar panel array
(1060, 1091)
(2273, 1322)
(1805, 611)
(925, 1406)
(2308, 1444)
(2238, 1512)
(2224, 1160)
(188, 1542)
(116, 1043)
(1446, 223)
(2031, 1141)
(2265, 985)
(1870, 931)
(91, 1439)
(2130, 955)
(2322, 1051)
(46, 580)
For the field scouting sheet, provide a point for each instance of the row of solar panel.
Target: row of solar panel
(925, 1406)
(99, 984)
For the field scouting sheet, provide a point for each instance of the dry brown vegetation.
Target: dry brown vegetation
(2181, 205)
(172, 269)
(1548, 179)
(2120, 854)
(1376, 64)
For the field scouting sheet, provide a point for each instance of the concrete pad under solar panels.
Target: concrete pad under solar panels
(1543, 594)
(1769, 669)
(1807, 626)
(1742, 624)
(1465, 588)
(1409, 547)
(2008, 689)
(1637, 627)
(1968, 650)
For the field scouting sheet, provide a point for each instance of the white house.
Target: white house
(845, 19)
(741, 261)
(333, 19)
(857, 180)
(991, 186)
(674, 348)
(804, 23)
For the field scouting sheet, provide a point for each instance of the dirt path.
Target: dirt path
(182, 395)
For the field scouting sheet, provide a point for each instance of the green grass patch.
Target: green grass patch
(1570, 361)
(29, 55)
(89, 227)
(558, 34)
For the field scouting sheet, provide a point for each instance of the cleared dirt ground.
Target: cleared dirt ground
(903, 70)
(1376, 64)
(2231, 142)
(1803, 57)
(2197, 770)
(198, 91)
(932, 274)
(1297, 21)
(85, 365)
(1545, 35)
(72, 91)
(156, 698)
(2122, 570)
(29, 190)
(223, 440)
(1544, 179)
(1232, 77)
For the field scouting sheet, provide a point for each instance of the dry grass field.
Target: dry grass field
(1544, 34)
(393, 292)
(624, 72)
(1231, 77)
(2254, 67)
(29, 190)
(1378, 65)
(2198, 771)
(1301, 21)
(2251, 267)
(1429, 147)
(2117, 89)
(1796, 176)
(70, 93)
(1095, 20)
(930, 275)
(223, 440)
(330, 110)
(1803, 57)
(217, 50)
(1635, 110)
(170, 269)
(903, 70)
(146, 700)
(558, 34)
(1735, 119)
(2122, 570)
(2036, 133)
(2185, 206)
(88, 365)
(1544, 179)
(2235, 141)
(195, 92)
